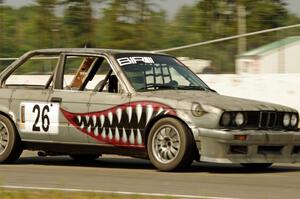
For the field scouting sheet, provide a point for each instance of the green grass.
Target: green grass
(17, 194)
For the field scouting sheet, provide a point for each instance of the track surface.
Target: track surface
(115, 173)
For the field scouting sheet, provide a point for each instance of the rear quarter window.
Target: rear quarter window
(35, 71)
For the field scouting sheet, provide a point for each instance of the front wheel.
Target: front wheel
(10, 143)
(170, 145)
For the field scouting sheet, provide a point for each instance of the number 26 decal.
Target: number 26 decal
(44, 117)
(39, 117)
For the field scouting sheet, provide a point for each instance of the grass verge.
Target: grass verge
(25, 194)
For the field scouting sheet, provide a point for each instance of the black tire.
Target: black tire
(257, 166)
(11, 146)
(184, 156)
(88, 157)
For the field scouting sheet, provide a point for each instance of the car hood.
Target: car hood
(225, 103)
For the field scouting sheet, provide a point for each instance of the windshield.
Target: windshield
(147, 72)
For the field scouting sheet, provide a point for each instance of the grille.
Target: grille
(261, 120)
(265, 120)
(268, 120)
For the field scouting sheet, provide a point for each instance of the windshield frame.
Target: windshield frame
(149, 54)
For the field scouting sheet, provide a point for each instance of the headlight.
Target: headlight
(197, 110)
(286, 120)
(239, 119)
(226, 119)
(294, 120)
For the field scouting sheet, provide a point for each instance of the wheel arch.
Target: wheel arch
(14, 147)
(4, 110)
(11, 117)
(156, 119)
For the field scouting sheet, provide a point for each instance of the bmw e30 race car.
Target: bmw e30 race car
(88, 102)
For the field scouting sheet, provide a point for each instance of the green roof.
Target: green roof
(271, 46)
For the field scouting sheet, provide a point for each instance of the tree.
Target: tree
(44, 23)
(140, 24)
(129, 24)
(78, 23)
(8, 34)
(212, 19)
(204, 21)
(264, 15)
(9, 31)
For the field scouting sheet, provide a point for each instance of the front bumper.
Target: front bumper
(260, 146)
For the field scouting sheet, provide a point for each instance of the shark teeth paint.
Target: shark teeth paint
(110, 117)
(149, 112)
(119, 114)
(160, 110)
(131, 137)
(94, 120)
(139, 111)
(124, 136)
(122, 125)
(139, 137)
(96, 132)
(82, 126)
(117, 135)
(78, 119)
(103, 134)
(129, 113)
(102, 120)
(89, 129)
(87, 118)
(110, 135)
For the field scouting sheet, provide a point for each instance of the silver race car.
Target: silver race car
(88, 102)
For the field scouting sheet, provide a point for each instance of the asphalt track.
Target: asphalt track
(119, 174)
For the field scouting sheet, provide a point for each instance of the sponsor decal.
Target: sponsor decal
(134, 60)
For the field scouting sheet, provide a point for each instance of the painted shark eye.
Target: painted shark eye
(197, 110)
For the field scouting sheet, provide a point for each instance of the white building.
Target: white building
(282, 56)
(196, 65)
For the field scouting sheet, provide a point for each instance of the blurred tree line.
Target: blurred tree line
(140, 24)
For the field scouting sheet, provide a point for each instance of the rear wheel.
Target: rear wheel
(10, 142)
(257, 165)
(88, 157)
(170, 145)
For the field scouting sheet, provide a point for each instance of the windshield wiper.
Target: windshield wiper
(191, 88)
(156, 87)
(212, 90)
(164, 86)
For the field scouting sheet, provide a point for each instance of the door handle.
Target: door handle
(56, 99)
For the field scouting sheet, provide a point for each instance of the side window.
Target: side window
(75, 71)
(103, 71)
(89, 73)
(36, 71)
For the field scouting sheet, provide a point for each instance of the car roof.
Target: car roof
(90, 50)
